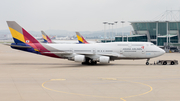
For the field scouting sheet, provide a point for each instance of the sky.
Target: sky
(80, 15)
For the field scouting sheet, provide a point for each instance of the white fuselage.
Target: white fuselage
(70, 42)
(65, 42)
(115, 50)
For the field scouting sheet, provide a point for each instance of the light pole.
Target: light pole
(104, 31)
(116, 26)
(109, 28)
(112, 31)
(122, 31)
(167, 33)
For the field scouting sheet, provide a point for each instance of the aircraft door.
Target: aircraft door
(129, 45)
(121, 51)
(94, 51)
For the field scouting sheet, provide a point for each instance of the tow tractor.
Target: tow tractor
(165, 62)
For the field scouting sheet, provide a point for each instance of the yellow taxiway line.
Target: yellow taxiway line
(122, 98)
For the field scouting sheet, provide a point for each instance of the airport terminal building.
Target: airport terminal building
(157, 32)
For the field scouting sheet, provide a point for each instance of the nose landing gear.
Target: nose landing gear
(147, 62)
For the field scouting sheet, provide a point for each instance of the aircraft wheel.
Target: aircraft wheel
(83, 63)
(91, 62)
(147, 63)
(94, 62)
(164, 63)
(86, 62)
(172, 62)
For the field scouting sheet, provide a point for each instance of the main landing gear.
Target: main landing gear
(89, 62)
(147, 62)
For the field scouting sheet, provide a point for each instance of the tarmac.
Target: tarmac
(30, 77)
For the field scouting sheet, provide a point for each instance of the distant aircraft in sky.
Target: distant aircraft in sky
(84, 53)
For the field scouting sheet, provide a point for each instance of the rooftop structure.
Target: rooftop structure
(162, 31)
(158, 32)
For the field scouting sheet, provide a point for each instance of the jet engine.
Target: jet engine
(104, 59)
(79, 58)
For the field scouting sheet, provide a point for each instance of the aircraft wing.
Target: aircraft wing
(105, 54)
(111, 54)
(61, 53)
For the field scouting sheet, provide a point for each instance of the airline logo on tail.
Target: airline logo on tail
(81, 38)
(21, 36)
(46, 38)
(24, 41)
(142, 47)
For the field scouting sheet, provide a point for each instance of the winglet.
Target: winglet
(45, 37)
(81, 38)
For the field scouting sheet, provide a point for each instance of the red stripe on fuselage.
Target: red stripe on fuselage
(30, 40)
(42, 50)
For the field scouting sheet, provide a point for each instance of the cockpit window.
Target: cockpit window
(152, 44)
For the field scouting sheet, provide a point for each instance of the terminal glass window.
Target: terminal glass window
(138, 39)
(178, 26)
(118, 39)
(163, 40)
(139, 26)
(152, 30)
(172, 26)
(174, 39)
(162, 29)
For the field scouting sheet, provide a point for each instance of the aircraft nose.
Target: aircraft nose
(162, 51)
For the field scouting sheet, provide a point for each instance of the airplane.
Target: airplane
(79, 37)
(84, 53)
(38, 38)
(48, 40)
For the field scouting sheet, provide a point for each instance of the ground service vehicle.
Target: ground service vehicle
(165, 62)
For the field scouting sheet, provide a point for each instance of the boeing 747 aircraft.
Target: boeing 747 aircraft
(48, 40)
(84, 53)
(80, 38)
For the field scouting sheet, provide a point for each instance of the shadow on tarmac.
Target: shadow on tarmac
(65, 65)
(73, 65)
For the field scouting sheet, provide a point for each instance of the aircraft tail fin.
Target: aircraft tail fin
(46, 38)
(81, 38)
(19, 34)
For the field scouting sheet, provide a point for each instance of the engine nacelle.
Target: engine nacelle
(104, 59)
(79, 58)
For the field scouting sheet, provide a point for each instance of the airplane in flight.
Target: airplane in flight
(84, 53)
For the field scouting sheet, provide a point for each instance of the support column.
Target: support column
(167, 33)
(156, 32)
